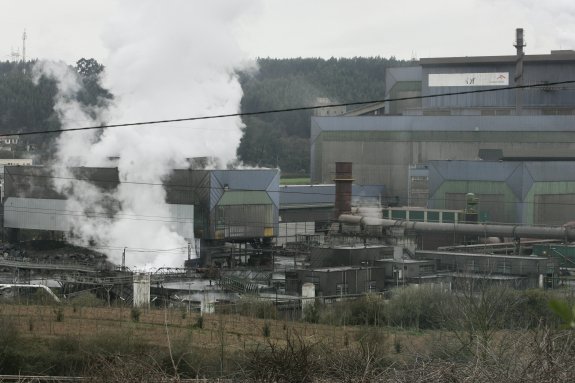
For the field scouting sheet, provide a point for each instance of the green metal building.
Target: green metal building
(528, 192)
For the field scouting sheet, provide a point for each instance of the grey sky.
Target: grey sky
(70, 29)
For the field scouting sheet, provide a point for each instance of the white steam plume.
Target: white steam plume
(167, 60)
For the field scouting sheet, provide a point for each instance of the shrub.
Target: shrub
(311, 312)
(419, 308)
(135, 314)
(266, 330)
(59, 312)
(289, 361)
(249, 306)
(12, 359)
(86, 299)
(199, 322)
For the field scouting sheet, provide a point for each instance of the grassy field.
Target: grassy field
(419, 335)
(65, 340)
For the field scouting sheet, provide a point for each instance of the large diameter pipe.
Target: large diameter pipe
(20, 285)
(488, 230)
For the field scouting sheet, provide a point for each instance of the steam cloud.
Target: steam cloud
(166, 60)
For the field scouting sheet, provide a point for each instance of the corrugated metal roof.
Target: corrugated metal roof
(444, 123)
(244, 180)
(563, 56)
(245, 198)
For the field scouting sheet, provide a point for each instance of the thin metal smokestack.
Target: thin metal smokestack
(519, 45)
(343, 189)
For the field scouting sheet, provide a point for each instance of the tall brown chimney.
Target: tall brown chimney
(343, 190)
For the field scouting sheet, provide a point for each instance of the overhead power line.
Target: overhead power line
(295, 109)
(181, 187)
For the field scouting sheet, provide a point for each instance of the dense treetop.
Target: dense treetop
(278, 139)
(27, 105)
(281, 139)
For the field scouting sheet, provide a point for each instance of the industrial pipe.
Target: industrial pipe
(20, 285)
(488, 230)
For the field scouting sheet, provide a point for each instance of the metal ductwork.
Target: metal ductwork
(487, 230)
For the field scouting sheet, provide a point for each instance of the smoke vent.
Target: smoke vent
(519, 42)
(519, 45)
(343, 190)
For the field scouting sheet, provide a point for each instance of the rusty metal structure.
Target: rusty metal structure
(343, 187)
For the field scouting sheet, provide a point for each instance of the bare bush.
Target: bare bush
(416, 307)
(126, 369)
(290, 360)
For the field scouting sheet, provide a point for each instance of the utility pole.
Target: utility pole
(124, 260)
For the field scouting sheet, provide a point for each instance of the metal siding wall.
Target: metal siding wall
(381, 155)
(243, 221)
(36, 214)
(491, 205)
(55, 215)
(533, 73)
(554, 209)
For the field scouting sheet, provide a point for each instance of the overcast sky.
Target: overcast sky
(71, 29)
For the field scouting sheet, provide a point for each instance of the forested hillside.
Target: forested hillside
(27, 105)
(278, 139)
(282, 139)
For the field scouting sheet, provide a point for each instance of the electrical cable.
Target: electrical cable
(175, 187)
(180, 187)
(284, 110)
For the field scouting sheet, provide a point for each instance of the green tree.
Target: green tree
(27, 105)
(92, 93)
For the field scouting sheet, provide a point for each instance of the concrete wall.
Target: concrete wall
(337, 281)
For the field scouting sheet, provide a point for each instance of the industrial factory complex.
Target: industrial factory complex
(424, 188)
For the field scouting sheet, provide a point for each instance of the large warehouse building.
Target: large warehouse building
(532, 122)
(214, 205)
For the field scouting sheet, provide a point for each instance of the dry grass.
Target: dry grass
(233, 346)
(40, 321)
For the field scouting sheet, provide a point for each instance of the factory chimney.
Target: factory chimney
(519, 45)
(343, 190)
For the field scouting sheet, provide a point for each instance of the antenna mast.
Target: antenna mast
(24, 46)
